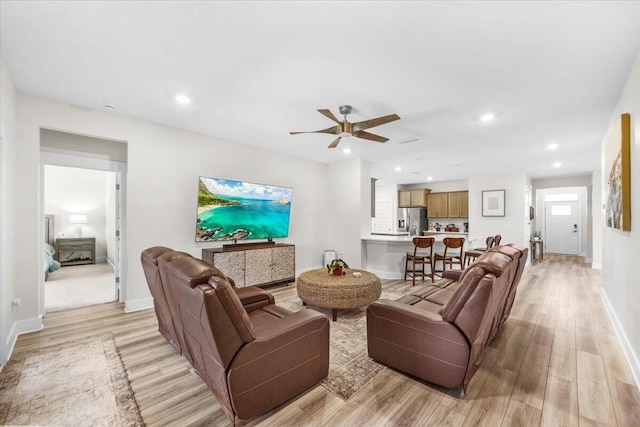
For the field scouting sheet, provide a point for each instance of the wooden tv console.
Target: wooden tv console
(254, 264)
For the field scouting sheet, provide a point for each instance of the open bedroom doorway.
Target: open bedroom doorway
(82, 188)
(79, 206)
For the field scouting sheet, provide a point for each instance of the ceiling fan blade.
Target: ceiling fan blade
(334, 144)
(333, 129)
(329, 114)
(371, 137)
(374, 122)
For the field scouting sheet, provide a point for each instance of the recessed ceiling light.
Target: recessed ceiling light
(429, 178)
(398, 169)
(109, 107)
(557, 164)
(487, 117)
(552, 146)
(346, 150)
(183, 99)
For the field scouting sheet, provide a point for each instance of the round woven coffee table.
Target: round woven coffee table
(319, 288)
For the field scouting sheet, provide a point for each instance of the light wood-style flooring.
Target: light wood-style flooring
(556, 362)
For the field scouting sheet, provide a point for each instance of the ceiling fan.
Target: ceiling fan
(345, 128)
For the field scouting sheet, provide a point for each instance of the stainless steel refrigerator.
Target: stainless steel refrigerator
(412, 220)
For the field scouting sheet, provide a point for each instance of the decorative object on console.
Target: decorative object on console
(617, 163)
(236, 210)
(78, 220)
(346, 129)
(337, 267)
(493, 203)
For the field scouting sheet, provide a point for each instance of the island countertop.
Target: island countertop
(385, 255)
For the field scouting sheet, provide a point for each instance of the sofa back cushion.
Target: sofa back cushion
(149, 258)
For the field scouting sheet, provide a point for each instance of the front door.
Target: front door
(561, 228)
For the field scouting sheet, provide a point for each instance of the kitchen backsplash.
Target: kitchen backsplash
(444, 222)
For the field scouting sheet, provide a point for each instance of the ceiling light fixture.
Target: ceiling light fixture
(557, 164)
(183, 99)
(487, 117)
(429, 178)
(552, 146)
(398, 169)
(346, 150)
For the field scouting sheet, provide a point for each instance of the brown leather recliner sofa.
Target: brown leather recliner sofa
(251, 353)
(439, 332)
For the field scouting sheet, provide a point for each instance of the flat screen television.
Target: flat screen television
(237, 210)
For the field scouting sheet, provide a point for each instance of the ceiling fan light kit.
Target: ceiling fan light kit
(345, 128)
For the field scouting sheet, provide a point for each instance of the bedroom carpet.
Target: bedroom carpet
(79, 286)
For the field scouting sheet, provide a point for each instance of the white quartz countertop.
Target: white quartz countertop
(408, 239)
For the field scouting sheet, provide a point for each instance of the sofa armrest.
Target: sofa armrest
(286, 358)
(416, 341)
(254, 298)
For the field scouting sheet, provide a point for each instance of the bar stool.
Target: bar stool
(489, 243)
(470, 256)
(420, 258)
(496, 240)
(451, 257)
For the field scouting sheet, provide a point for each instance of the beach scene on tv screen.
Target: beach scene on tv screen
(236, 210)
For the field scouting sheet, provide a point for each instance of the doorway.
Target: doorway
(63, 149)
(80, 210)
(562, 227)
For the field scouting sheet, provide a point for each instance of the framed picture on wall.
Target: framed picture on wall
(617, 166)
(493, 203)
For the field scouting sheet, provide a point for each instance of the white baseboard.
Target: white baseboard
(387, 274)
(627, 349)
(138, 304)
(18, 328)
(596, 265)
(111, 264)
(101, 259)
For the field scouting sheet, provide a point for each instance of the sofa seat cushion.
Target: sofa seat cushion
(277, 311)
(428, 306)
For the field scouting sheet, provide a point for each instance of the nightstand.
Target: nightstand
(76, 251)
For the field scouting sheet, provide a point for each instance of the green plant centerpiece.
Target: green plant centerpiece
(536, 235)
(337, 267)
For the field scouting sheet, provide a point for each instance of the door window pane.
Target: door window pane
(560, 210)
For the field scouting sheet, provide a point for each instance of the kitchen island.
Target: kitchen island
(385, 255)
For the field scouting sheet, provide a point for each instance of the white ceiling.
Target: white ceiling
(551, 72)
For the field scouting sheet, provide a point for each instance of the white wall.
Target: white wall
(163, 167)
(621, 250)
(78, 191)
(8, 220)
(513, 225)
(349, 202)
(597, 221)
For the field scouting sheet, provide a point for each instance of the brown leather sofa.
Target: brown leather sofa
(439, 332)
(251, 297)
(251, 353)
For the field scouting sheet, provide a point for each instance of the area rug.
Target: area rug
(79, 383)
(350, 367)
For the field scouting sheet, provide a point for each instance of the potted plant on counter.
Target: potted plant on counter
(536, 235)
(337, 267)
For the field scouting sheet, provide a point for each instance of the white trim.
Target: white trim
(596, 265)
(627, 349)
(101, 259)
(18, 328)
(138, 304)
(387, 274)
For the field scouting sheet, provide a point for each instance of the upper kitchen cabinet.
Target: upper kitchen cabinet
(438, 205)
(458, 204)
(413, 198)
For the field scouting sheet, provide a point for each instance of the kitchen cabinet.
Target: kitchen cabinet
(464, 204)
(413, 198)
(438, 205)
(254, 265)
(459, 204)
